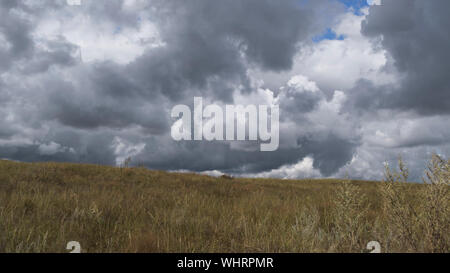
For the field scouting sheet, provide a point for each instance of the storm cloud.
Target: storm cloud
(95, 83)
(415, 33)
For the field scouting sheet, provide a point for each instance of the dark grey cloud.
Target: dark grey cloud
(330, 152)
(410, 116)
(54, 106)
(15, 31)
(416, 34)
(92, 148)
(210, 43)
(18, 47)
(208, 49)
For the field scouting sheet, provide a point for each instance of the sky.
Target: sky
(357, 84)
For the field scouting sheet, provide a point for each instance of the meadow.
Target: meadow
(122, 209)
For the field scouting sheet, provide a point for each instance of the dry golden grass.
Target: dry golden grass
(418, 221)
(45, 205)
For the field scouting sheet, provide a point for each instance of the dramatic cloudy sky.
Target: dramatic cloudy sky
(357, 85)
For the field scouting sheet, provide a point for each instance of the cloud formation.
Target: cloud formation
(415, 33)
(95, 83)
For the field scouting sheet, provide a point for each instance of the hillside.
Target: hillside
(45, 205)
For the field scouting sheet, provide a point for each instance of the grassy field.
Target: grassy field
(45, 205)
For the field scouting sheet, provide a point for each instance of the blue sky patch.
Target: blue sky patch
(329, 34)
(356, 5)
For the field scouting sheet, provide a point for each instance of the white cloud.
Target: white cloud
(405, 130)
(53, 148)
(302, 169)
(214, 173)
(100, 41)
(338, 64)
(301, 83)
(124, 149)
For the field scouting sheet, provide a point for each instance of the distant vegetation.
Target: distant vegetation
(45, 205)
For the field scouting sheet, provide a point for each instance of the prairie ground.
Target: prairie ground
(107, 209)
